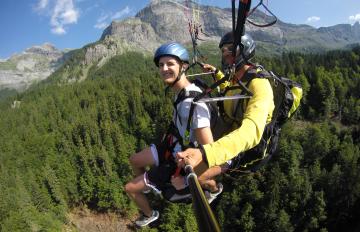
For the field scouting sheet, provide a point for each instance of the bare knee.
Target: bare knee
(131, 189)
(134, 161)
(128, 188)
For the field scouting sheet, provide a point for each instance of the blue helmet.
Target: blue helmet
(171, 49)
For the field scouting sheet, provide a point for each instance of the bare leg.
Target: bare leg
(134, 189)
(140, 160)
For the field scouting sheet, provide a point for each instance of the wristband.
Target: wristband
(203, 154)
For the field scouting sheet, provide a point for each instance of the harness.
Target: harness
(285, 91)
(169, 141)
(184, 142)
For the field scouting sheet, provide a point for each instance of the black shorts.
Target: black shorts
(159, 177)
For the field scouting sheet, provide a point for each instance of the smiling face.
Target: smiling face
(169, 68)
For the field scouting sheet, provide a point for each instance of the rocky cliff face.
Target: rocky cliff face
(167, 20)
(34, 64)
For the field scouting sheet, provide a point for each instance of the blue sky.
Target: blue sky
(75, 23)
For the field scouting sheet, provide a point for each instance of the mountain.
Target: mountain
(162, 21)
(34, 64)
(167, 20)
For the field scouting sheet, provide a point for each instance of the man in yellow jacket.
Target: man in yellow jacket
(244, 120)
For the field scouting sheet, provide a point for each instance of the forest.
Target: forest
(66, 145)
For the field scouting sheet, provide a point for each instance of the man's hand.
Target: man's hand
(191, 156)
(208, 68)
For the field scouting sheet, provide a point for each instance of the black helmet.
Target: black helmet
(248, 48)
(171, 49)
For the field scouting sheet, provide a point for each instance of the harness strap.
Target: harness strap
(203, 94)
(184, 142)
(239, 28)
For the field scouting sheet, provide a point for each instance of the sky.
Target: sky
(75, 23)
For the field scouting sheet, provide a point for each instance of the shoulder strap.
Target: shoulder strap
(250, 74)
(256, 72)
(181, 97)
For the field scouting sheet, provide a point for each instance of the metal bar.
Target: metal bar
(200, 74)
(204, 215)
(213, 99)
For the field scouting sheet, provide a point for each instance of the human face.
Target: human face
(226, 52)
(169, 68)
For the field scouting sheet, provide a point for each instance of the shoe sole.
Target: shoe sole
(150, 221)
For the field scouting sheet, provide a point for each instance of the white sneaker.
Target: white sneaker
(144, 220)
(212, 196)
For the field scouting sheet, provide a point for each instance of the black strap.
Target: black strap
(267, 9)
(250, 74)
(174, 131)
(209, 90)
(181, 97)
(239, 105)
(239, 28)
(203, 94)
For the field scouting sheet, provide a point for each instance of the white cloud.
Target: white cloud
(101, 21)
(105, 19)
(101, 26)
(59, 30)
(121, 13)
(61, 13)
(354, 18)
(312, 19)
(42, 4)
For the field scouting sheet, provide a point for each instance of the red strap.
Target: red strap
(177, 172)
(169, 140)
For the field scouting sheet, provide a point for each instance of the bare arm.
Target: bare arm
(204, 135)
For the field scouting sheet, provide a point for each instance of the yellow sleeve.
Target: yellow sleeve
(256, 115)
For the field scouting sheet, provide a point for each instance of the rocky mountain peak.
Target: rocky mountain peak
(34, 64)
(44, 49)
(132, 30)
(172, 15)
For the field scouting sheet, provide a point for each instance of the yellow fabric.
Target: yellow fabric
(297, 93)
(219, 75)
(257, 114)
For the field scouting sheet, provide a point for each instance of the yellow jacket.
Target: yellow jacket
(246, 134)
